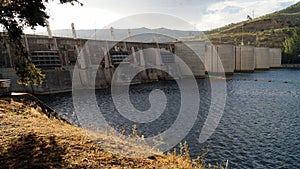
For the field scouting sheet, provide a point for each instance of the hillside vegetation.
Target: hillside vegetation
(271, 30)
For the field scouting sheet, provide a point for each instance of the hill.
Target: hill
(269, 30)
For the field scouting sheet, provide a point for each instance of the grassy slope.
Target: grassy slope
(269, 30)
(29, 139)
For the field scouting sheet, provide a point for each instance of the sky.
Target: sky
(197, 14)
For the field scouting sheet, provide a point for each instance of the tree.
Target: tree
(291, 46)
(15, 15)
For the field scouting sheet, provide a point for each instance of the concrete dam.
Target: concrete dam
(71, 61)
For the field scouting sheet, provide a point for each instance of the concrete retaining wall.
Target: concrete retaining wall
(57, 80)
(10, 73)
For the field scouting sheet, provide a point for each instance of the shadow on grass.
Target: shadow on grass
(30, 151)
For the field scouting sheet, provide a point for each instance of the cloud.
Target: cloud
(189, 10)
(204, 14)
(152, 20)
(232, 11)
(227, 9)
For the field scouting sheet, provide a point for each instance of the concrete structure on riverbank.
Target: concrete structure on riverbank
(5, 87)
(58, 57)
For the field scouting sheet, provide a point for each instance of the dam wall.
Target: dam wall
(244, 59)
(88, 63)
(275, 57)
(192, 53)
(211, 59)
(220, 58)
(92, 64)
(227, 57)
(262, 58)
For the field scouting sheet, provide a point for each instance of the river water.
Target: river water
(260, 126)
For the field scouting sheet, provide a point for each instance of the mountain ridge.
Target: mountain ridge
(138, 34)
(269, 30)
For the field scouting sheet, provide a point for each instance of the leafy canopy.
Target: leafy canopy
(291, 44)
(15, 15)
(291, 47)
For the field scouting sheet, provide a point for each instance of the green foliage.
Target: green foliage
(291, 44)
(27, 72)
(15, 16)
(291, 48)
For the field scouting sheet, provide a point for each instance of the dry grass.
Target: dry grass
(29, 139)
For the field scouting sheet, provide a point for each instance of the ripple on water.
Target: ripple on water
(259, 128)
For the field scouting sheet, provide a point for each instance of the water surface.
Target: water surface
(259, 128)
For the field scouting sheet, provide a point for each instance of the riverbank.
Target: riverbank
(30, 139)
